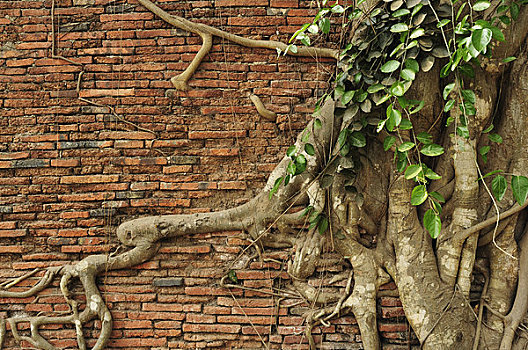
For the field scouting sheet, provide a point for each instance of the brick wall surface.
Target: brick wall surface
(71, 170)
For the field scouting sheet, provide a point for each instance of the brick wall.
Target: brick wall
(72, 170)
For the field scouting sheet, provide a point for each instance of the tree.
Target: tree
(384, 156)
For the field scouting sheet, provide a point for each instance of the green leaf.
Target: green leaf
(449, 105)
(306, 211)
(407, 74)
(495, 138)
(399, 28)
(323, 225)
(462, 131)
(291, 168)
(416, 9)
(291, 151)
(402, 161)
(231, 274)
(300, 164)
(397, 89)
(437, 196)
(509, 59)
(432, 150)
(468, 95)
(483, 151)
(299, 31)
(324, 24)
(305, 136)
(375, 88)
(405, 124)
(394, 119)
(360, 96)
(432, 175)
(519, 186)
(309, 149)
(396, 49)
(480, 38)
(412, 64)
(497, 34)
(481, 5)
(514, 11)
(432, 223)
(404, 147)
(312, 28)
(348, 96)
(418, 32)
(418, 195)
(276, 186)
(417, 108)
(317, 123)
(443, 23)
(425, 138)
(383, 99)
(447, 90)
(390, 66)
(444, 72)
(400, 12)
(412, 171)
(489, 174)
(388, 142)
(488, 129)
(343, 136)
(505, 19)
(337, 9)
(287, 179)
(498, 186)
(468, 108)
(381, 124)
(357, 139)
(459, 12)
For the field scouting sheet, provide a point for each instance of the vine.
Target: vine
(388, 47)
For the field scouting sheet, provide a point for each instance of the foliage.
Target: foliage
(389, 45)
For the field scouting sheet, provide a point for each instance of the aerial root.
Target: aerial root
(180, 81)
(41, 284)
(207, 32)
(261, 109)
(307, 251)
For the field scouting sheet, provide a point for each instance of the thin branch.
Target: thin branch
(462, 235)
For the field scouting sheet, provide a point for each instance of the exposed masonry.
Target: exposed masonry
(70, 172)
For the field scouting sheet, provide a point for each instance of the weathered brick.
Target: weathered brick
(89, 179)
(211, 328)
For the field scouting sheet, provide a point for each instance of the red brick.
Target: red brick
(13, 233)
(211, 328)
(67, 163)
(197, 318)
(89, 179)
(231, 3)
(215, 134)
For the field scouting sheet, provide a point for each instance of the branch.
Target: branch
(206, 32)
(462, 235)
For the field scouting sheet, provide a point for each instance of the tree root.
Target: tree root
(520, 305)
(261, 109)
(86, 272)
(206, 32)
